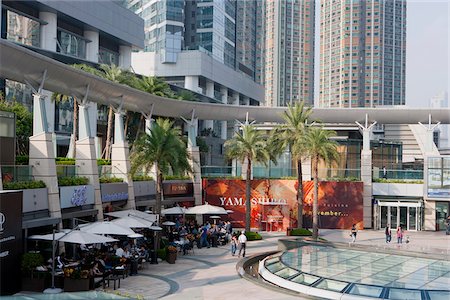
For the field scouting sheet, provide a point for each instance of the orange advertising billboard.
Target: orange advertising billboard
(274, 206)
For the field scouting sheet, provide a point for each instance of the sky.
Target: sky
(427, 50)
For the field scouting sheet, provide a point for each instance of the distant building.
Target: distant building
(288, 73)
(362, 53)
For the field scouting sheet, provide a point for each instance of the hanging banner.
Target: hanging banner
(274, 204)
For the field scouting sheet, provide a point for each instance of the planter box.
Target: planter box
(35, 199)
(144, 188)
(171, 257)
(117, 191)
(33, 284)
(77, 195)
(76, 285)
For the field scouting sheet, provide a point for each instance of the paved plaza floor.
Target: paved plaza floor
(211, 273)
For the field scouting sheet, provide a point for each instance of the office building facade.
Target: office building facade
(362, 53)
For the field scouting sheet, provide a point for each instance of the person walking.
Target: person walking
(354, 231)
(388, 233)
(384, 172)
(447, 231)
(234, 243)
(399, 235)
(242, 243)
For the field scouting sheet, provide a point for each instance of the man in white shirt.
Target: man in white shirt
(119, 252)
(242, 241)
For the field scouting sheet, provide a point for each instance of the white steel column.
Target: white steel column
(92, 48)
(366, 171)
(194, 160)
(42, 155)
(86, 158)
(149, 123)
(125, 57)
(120, 156)
(428, 144)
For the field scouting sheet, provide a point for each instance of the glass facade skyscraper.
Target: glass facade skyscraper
(362, 53)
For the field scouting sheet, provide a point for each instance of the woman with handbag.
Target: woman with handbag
(388, 233)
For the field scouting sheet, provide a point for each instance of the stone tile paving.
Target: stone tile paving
(211, 273)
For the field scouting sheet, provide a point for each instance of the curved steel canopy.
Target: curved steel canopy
(20, 64)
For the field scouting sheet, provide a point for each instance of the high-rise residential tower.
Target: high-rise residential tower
(288, 73)
(362, 53)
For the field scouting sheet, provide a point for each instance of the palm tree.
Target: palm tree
(249, 146)
(319, 147)
(153, 85)
(293, 136)
(165, 149)
(186, 95)
(60, 98)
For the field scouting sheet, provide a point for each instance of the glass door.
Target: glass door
(383, 216)
(403, 218)
(393, 214)
(412, 218)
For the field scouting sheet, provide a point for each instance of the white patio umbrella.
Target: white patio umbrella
(106, 228)
(71, 236)
(135, 236)
(230, 211)
(206, 209)
(133, 213)
(74, 237)
(214, 218)
(177, 210)
(132, 222)
(168, 223)
(155, 228)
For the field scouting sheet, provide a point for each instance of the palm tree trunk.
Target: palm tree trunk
(109, 134)
(248, 207)
(127, 120)
(316, 198)
(159, 188)
(138, 132)
(75, 127)
(299, 194)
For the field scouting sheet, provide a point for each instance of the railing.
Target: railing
(66, 170)
(354, 174)
(105, 171)
(219, 171)
(262, 172)
(399, 174)
(16, 173)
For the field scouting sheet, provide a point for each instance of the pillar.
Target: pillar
(42, 155)
(366, 171)
(92, 48)
(120, 158)
(209, 124)
(48, 31)
(125, 57)
(429, 149)
(86, 158)
(194, 161)
(191, 83)
(149, 122)
(224, 129)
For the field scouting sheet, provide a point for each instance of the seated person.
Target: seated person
(96, 272)
(119, 252)
(61, 261)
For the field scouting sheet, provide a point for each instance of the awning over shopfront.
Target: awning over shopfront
(40, 222)
(406, 202)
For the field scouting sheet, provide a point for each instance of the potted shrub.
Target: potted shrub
(299, 232)
(76, 280)
(32, 280)
(171, 254)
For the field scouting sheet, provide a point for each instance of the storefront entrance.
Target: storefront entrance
(407, 214)
(442, 212)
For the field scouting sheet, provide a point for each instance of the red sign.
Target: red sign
(274, 204)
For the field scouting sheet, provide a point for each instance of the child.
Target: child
(233, 245)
